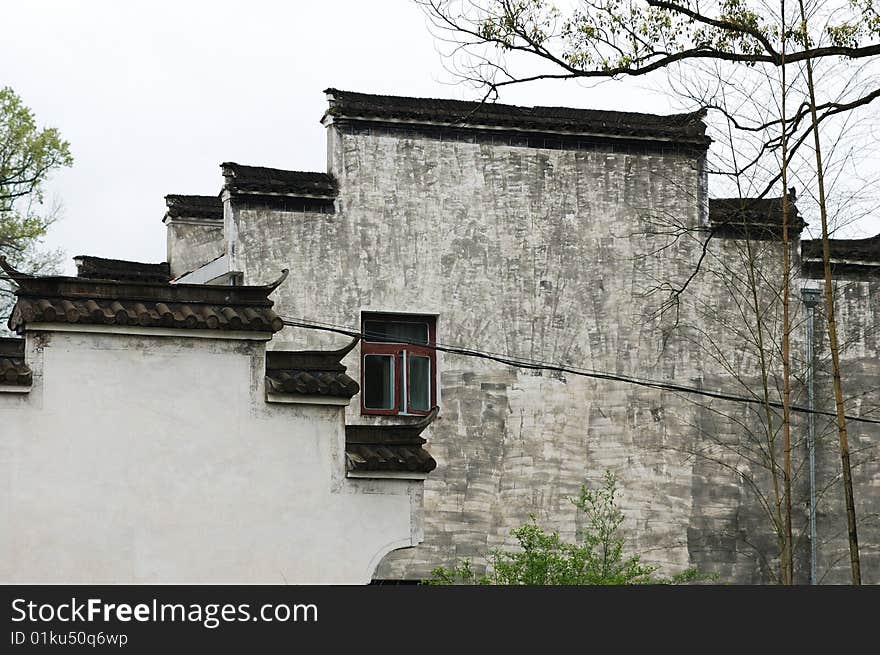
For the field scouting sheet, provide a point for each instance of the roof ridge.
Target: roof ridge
(181, 205)
(200, 196)
(272, 168)
(62, 299)
(257, 180)
(697, 112)
(686, 129)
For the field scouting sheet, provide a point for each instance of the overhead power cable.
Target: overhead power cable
(527, 363)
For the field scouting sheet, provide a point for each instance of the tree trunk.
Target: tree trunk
(788, 563)
(832, 332)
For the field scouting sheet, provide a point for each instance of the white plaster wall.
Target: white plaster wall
(146, 459)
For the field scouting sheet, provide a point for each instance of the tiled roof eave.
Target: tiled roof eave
(14, 372)
(101, 268)
(64, 300)
(276, 182)
(238, 192)
(684, 129)
(384, 459)
(310, 372)
(181, 207)
(126, 312)
(844, 251)
(335, 384)
(758, 225)
(143, 291)
(389, 448)
(702, 142)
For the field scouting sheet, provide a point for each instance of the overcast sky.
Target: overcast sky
(154, 95)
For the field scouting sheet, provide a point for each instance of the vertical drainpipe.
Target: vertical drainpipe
(810, 298)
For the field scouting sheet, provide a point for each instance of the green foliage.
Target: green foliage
(28, 155)
(531, 19)
(543, 558)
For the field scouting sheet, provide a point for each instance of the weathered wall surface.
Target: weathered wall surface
(536, 253)
(550, 255)
(733, 526)
(858, 318)
(192, 244)
(148, 459)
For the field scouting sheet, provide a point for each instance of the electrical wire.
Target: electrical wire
(532, 364)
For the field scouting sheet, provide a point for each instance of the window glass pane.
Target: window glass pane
(379, 381)
(419, 379)
(396, 332)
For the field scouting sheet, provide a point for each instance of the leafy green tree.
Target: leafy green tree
(28, 155)
(543, 558)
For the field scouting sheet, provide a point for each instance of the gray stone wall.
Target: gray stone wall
(858, 318)
(193, 243)
(562, 256)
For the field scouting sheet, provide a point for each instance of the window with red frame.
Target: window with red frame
(398, 368)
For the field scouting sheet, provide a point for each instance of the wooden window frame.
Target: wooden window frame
(399, 352)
